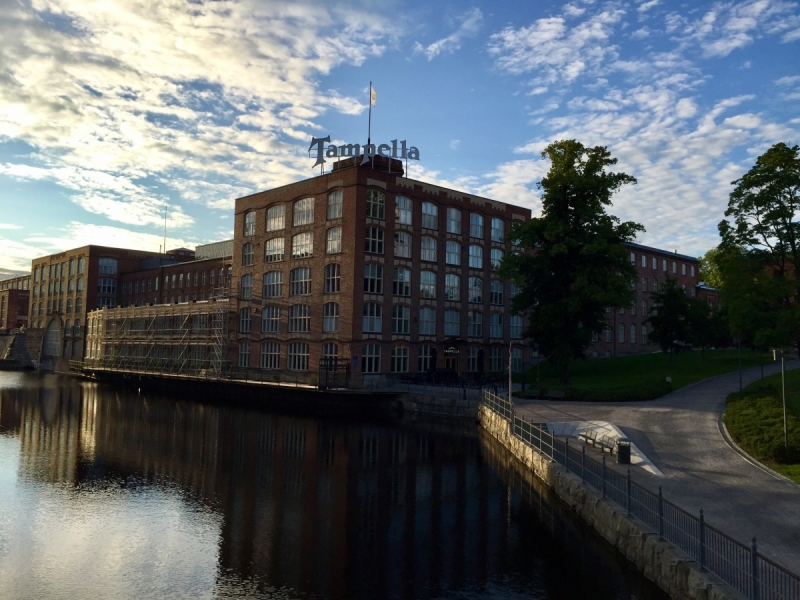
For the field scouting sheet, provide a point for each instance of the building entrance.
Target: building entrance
(451, 359)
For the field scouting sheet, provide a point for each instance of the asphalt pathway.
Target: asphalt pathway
(682, 434)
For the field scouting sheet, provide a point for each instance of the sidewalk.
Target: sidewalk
(680, 433)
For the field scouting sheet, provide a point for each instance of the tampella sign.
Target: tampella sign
(368, 151)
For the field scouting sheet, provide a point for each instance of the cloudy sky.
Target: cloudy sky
(113, 110)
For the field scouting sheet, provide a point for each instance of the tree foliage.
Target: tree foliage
(576, 264)
(760, 250)
(709, 269)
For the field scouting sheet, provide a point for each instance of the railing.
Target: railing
(739, 565)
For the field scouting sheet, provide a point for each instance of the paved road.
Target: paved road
(681, 434)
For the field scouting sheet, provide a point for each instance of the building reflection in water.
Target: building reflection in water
(324, 508)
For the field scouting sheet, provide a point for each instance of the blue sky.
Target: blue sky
(113, 110)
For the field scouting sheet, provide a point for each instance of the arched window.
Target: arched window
(476, 290)
(300, 281)
(427, 284)
(428, 249)
(495, 256)
(81, 265)
(401, 319)
(402, 210)
(244, 354)
(475, 323)
(430, 216)
(452, 322)
(80, 284)
(299, 318)
(454, 221)
(402, 244)
(373, 278)
(401, 283)
(247, 256)
(452, 287)
(303, 212)
(330, 350)
(515, 326)
(276, 217)
(427, 356)
(271, 319)
(370, 358)
(273, 250)
(516, 360)
(69, 306)
(297, 356)
(496, 292)
(400, 359)
(452, 254)
(476, 225)
(72, 267)
(372, 317)
(373, 240)
(302, 245)
(244, 320)
(330, 317)
(475, 257)
(376, 204)
(335, 204)
(495, 325)
(332, 278)
(247, 287)
(333, 240)
(273, 284)
(427, 321)
(498, 229)
(249, 223)
(270, 355)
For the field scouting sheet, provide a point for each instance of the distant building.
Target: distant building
(14, 298)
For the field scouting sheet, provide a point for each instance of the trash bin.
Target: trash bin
(623, 451)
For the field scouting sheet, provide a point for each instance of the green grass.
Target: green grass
(642, 376)
(754, 419)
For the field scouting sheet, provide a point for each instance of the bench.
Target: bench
(604, 442)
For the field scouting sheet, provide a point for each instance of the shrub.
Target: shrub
(755, 420)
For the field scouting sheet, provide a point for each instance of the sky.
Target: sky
(114, 113)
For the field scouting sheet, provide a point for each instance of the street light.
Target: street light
(776, 354)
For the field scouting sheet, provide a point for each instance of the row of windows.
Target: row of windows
(179, 280)
(63, 269)
(17, 283)
(299, 282)
(297, 357)
(302, 247)
(401, 285)
(374, 244)
(621, 334)
(303, 214)
(58, 287)
(664, 264)
(57, 306)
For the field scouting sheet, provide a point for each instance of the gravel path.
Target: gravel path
(681, 433)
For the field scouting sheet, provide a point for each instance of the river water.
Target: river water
(106, 493)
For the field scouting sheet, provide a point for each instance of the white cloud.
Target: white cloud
(470, 24)
(640, 34)
(645, 6)
(454, 144)
(10, 226)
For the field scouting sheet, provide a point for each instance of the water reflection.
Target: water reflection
(121, 495)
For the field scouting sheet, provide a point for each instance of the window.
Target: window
(644, 261)
(376, 202)
(426, 358)
(108, 266)
(664, 265)
(81, 265)
(496, 292)
(400, 359)
(401, 319)
(71, 285)
(333, 277)
(249, 223)
(498, 229)
(475, 257)
(297, 357)
(373, 279)
(330, 350)
(475, 323)
(373, 241)
(495, 256)
(330, 317)
(372, 317)
(402, 244)
(180, 279)
(335, 204)
(608, 336)
(452, 322)
(273, 284)
(515, 327)
(299, 318)
(271, 319)
(633, 258)
(247, 255)
(496, 360)
(633, 309)
(454, 221)
(655, 263)
(402, 210)
(496, 325)
(633, 334)
(644, 334)
(476, 225)
(430, 216)
(401, 283)
(644, 308)
(244, 354)
(69, 305)
(516, 360)
(427, 321)
(333, 240)
(276, 217)
(302, 245)
(370, 358)
(244, 320)
(674, 267)
(692, 270)
(270, 355)
(428, 249)
(427, 284)
(106, 285)
(644, 284)
(474, 359)
(300, 282)
(475, 290)
(683, 268)
(273, 252)
(452, 287)
(72, 267)
(247, 287)
(452, 255)
(303, 212)
(621, 333)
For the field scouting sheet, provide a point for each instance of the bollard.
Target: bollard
(604, 476)
(755, 588)
(629, 492)
(702, 541)
(660, 514)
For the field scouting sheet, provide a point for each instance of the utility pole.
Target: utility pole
(775, 355)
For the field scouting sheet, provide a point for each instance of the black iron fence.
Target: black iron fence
(739, 565)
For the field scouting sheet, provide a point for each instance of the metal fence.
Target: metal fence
(739, 565)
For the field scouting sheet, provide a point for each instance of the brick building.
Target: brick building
(14, 298)
(390, 274)
(175, 283)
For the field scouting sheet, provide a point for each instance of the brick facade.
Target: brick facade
(14, 299)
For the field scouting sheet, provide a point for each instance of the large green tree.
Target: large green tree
(709, 269)
(576, 263)
(760, 250)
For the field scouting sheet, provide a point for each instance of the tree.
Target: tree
(670, 319)
(576, 264)
(760, 250)
(709, 269)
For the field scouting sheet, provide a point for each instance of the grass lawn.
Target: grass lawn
(642, 376)
(755, 420)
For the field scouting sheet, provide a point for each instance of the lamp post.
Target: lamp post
(775, 355)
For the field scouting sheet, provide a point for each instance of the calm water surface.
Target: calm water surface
(110, 494)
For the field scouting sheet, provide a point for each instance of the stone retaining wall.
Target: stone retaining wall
(433, 405)
(661, 562)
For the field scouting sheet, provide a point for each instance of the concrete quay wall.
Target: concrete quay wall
(661, 562)
(439, 405)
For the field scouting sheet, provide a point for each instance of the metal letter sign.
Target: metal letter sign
(367, 151)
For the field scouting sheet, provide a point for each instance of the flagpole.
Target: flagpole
(369, 122)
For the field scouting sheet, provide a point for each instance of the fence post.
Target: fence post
(754, 593)
(604, 476)
(629, 493)
(702, 541)
(583, 464)
(660, 514)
